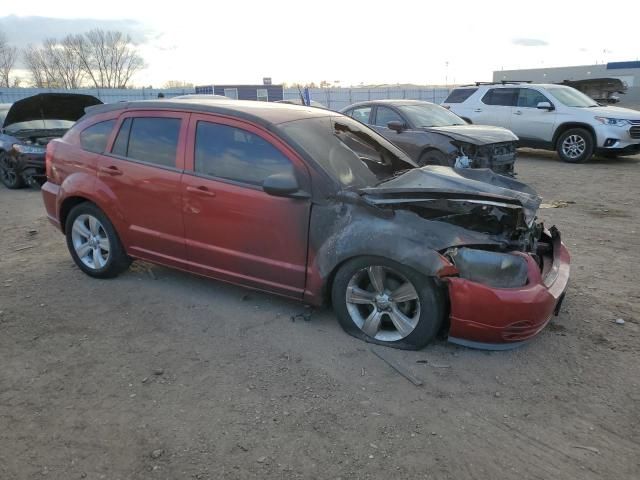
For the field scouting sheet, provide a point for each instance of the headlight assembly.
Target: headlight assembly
(32, 149)
(613, 122)
(501, 270)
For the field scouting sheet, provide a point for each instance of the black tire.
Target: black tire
(581, 137)
(8, 175)
(434, 157)
(117, 260)
(428, 308)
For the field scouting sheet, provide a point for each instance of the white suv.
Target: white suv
(553, 117)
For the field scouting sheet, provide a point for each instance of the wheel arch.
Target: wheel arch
(67, 205)
(569, 125)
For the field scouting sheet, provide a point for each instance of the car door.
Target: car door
(410, 140)
(528, 121)
(495, 107)
(140, 178)
(233, 229)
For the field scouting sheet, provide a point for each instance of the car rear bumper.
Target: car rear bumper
(500, 318)
(50, 192)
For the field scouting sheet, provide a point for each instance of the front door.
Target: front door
(233, 229)
(140, 179)
(529, 122)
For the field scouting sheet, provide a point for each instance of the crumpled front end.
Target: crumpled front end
(499, 157)
(500, 305)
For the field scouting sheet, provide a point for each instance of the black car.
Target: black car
(432, 135)
(28, 127)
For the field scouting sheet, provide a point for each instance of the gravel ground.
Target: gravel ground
(162, 375)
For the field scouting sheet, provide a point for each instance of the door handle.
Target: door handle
(111, 170)
(201, 190)
(518, 112)
(478, 110)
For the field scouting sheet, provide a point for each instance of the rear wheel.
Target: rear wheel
(9, 177)
(93, 242)
(434, 157)
(387, 303)
(575, 145)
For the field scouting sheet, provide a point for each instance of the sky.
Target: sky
(350, 42)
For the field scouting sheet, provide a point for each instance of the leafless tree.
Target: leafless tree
(177, 84)
(109, 58)
(8, 57)
(36, 63)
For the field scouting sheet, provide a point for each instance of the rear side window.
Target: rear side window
(95, 138)
(235, 154)
(506, 97)
(361, 114)
(459, 95)
(149, 139)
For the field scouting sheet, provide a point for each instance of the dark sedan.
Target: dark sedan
(432, 135)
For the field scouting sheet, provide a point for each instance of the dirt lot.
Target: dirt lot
(162, 375)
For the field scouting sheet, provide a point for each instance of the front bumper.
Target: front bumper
(31, 166)
(502, 318)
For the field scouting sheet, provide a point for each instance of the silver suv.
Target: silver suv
(553, 117)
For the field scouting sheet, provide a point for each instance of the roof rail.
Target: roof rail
(502, 82)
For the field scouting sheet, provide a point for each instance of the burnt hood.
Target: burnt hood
(49, 106)
(478, 185)
(475, 134)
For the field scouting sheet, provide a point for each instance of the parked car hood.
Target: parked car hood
(614, 112)
(49, 106)
(470, 185)
(475, 134)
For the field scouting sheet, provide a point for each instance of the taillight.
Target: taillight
(48, 158)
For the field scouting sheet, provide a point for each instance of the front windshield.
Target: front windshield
(40, 125)
(428, 115)
(571, 97)
(348, 151)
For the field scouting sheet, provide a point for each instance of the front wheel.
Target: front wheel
(93, 242)
(387, 303)
(575, 145)
(9, 176)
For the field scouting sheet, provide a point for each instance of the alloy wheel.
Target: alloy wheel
(574, 146)
(90, 241)
(8, 174)
(383, 303)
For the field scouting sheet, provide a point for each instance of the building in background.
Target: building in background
(627, 72)
(263, 93)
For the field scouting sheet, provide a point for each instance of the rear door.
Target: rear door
(140, 176)
(529, 122)
(495, 107)
(234, 230)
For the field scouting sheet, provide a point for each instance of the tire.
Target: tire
(8, 175)
(374, 318)
(434, 157)
(89, 230)
(575, 145)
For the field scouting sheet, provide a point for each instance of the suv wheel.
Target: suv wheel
(8, 175)
(575, 145)
(93, 242)
(384, 302)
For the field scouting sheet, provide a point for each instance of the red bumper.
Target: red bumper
(501, 318)
(50, 193)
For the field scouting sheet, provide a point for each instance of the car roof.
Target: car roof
(390, 101)
(265, 113)
(510, 85)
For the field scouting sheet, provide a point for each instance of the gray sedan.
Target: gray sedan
(432, 135)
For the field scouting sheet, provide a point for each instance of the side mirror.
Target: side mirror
(283, 185)
(545, 106)
(396, 125)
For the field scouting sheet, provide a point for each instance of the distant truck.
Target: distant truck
(602, 90)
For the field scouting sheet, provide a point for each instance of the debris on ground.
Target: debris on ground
(158, 371)
(157, 453)
(619, 321)
(401, 369)
(306, 315)
(590, 449)
(557, 204)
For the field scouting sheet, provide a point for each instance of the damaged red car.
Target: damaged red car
(312, 205)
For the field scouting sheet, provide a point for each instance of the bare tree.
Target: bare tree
(35, 62)
(177, 84)
(8, 57)
(108, 57)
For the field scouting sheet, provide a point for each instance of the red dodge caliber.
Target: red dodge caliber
(312, 205)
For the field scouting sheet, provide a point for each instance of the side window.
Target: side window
(385, 115)
(530, 98)
(235, 154)
(459, 95)
(95, 138)
(505, 97)
(149, 139)
(361, 114)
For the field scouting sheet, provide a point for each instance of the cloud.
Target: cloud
(22, 31)
(529, 42)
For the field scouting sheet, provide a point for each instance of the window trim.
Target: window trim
(300, 168)
(182, 136)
